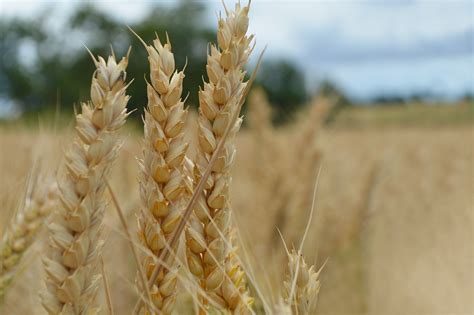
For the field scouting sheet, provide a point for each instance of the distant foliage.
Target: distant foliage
(58, 68)
(285, 86)
(329, 90)
(40, 68)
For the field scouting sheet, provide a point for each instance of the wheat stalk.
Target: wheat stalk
(209, 257)
(75, 240)
(24, 227)
(162, 183)
(108, 297)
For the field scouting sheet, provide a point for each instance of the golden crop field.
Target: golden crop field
(229, 208)
(393, 213)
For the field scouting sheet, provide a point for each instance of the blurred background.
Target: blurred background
(376, 94)
(366, 52)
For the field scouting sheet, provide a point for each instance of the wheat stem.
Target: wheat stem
(108, 296)
(128, 235)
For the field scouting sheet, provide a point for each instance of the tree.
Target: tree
(331, 91)
(60, 73)
(284, 84)
(59, 68)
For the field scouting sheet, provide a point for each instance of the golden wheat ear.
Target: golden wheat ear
(161, 180)
(302, 285)
(309, 157)
(210, 257)
(23, 229)
(227, 125)
(72, 275)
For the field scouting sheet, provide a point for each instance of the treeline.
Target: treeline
(43, 66)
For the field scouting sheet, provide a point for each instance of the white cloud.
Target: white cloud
(290, 26)
(447, 78)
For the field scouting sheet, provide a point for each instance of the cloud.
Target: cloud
(370, 47)
(449, 78)
(355, 29)
(367, 45)
(339, 48)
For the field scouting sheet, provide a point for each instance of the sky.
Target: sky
(368, 47)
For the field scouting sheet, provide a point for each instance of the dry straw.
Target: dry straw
(75, 239)
(24, 227)
(162, 183)
(210, 258)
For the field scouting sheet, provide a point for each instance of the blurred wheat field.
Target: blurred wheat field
(393, 215)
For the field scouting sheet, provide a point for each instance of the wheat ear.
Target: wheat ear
(302, 285)
(24, 227)
(271, 171)
(75, 240)
(208, 255)
(260, 117)
(265, 146)
(310, 160)
(162, 181)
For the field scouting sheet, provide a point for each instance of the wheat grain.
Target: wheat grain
(209, 257)
(162, 183)
(75, 238)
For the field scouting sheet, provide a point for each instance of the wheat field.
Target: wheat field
(219, 211)
(393, 216)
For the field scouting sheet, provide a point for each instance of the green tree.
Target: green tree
(57, 67)
(330, 90)
(285, 86)
(59, 73)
